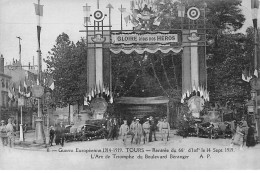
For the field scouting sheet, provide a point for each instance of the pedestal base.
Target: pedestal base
(21, 133)
(39, 132)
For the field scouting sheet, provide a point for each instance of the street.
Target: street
(178, 153)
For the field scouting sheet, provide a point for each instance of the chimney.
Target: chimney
(2, 64)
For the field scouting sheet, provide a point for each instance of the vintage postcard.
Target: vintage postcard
(129, 85)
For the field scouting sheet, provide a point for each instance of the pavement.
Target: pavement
(29, 136)
(29, 142)
(178, 153)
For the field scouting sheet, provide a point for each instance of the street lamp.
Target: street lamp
(48, 100)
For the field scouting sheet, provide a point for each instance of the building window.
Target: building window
(3, 98)
(3, 82)
(7, 82)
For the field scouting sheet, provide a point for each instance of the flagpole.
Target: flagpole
(20, 54)
(39, 64)
(121, 17)
(39, 131)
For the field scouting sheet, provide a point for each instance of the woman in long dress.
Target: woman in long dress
(239, 136)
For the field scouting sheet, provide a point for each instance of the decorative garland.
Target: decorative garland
(155, 75)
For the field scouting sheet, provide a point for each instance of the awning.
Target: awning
(142, 100)
(147, 48)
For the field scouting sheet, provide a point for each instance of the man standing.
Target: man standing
(146, 127)
(165, 130)
(115, 128)
(109, 128)
(132, 129)
(153, 128)
(60, 133)
(51, 135)
(138, 131)
(124, 129)
(159, 126)
(3, 133)
(10, 133)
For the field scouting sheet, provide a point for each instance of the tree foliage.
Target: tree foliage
(225, 66)
(67, 64)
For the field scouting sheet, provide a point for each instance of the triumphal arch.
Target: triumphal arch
(185, 35)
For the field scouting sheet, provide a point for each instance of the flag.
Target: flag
(38, 9)
(111, 99)
(86, 101)
(19, 89)
(108, 92)
(256, 73)
(157, 21)
(89, 97)
(100, 88)
(103, 89)
(86, 19)
(92, 93)
(127, 18)
(86, 11)
(10, 95)
(52, 86)
(28, 94)
(254, 7)
(132, 5)
(181, 11)
(122, 10)
(25, 86)
(245, 75)
(39, 35)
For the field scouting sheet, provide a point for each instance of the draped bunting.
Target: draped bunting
(148, 49)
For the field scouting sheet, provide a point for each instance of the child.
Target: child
(124, 129)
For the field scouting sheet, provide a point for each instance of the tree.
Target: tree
(225, 67)
(67, 64)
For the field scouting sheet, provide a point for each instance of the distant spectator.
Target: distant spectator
(10, 133)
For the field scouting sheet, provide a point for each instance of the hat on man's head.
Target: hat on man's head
(2, 121)
(148, 119)
(134, 117)
(137, 119)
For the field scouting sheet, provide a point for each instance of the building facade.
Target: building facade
(5, 102)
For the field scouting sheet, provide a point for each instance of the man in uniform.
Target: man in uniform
(165, 130)
(10, 133)
(132, 130)
(115, 129)
(146, 127)
(60, 133)
(124, 129)
(153, 128)
(109, 128)
(159, 124)
(138, 131)
(52, 132)
(3, 134)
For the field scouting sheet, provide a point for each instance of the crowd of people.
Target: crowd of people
(7, 133)
(57, 134)
(243, 134)
(139, 133)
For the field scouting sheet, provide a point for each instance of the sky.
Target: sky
(17, 18)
